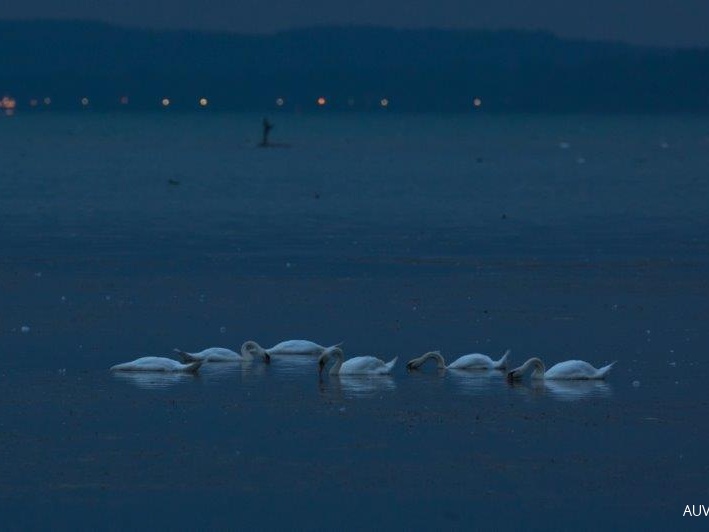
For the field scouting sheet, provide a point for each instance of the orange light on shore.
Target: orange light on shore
(321, 101)
(8, 103)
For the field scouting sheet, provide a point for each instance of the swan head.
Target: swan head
(252, 349)
(322, 362)
(418, 362)
(537, 373)
(327, 353)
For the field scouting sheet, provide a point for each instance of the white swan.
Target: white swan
(471, 361)
(354, 366)
(221, 354)
(568, 370)
(157, 364)
(290, 347)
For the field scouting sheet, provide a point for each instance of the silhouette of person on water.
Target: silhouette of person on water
(267, 127)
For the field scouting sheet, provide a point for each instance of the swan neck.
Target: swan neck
(440, 361)
(537, 364)
(339, 359)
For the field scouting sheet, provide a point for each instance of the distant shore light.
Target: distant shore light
(384, 102)
(33, 102)
(477, 102)
(280, 102)
(47, 100)
(203, 102)
(8, 103)
(350, 102)
(84, 101)
(321, 101)
(124, 100)
(165, 102)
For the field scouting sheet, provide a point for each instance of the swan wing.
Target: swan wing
(296, 347)
(366, 365)
(472, 361)
(151, 364)
(572, 370)
(218, 354)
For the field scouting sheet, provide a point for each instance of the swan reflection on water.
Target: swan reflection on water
(210, 373)
(565, 390)
(153, 379)
(359, 386)
(476, 382)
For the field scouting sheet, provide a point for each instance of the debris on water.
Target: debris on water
(63, 298)
(38, 274)
(564, 145)
(173, 181)
(222, 329)
(343, 409)
(25, 329)
(636, 384)
(288, 264)
(581, 160)
(664, 145)
(673, 364)
(108, 298)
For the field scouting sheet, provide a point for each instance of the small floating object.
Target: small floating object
(173, 182)
(636, 384)
(25, 329)
(564, 145)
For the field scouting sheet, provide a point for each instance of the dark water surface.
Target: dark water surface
(562, 237)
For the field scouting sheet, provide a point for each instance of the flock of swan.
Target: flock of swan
(361, 365)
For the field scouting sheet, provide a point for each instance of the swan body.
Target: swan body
(365, 365)
(221, 354)
(471, 361)
(290, 347)
(567, 370)
(158, 364)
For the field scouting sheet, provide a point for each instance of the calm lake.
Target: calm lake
(563, 237)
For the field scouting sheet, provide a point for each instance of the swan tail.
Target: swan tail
(390, 365)
(605, 370)
(502, 363)
(194, 367)
(184, 355)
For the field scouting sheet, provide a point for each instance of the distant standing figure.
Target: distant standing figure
(267, 127)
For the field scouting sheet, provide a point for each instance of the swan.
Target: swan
(221, 354)
(157, 364)
(567, 370)
(354, 366)
(472, 361)
(290, 347)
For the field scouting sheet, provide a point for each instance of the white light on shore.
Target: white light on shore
(165, 102)
(477, 102)
(84, 101)
(203, 102)
(280, 102)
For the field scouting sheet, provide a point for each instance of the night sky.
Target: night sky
(653, 22)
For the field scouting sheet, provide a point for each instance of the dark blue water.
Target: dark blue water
(562, 237)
